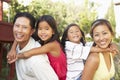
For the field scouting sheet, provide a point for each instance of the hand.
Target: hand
(21, 56)
(10, 61)
(11, 56)
(114, 48)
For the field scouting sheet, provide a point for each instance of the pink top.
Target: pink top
(59, 64)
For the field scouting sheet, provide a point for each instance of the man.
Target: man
(36, 67)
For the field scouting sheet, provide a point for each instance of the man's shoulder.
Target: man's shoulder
(36, 43)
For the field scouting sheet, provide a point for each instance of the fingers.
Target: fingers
(11, 60)
(11, 57)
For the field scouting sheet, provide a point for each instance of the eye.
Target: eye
(16, 25)
(71, 32)
(47, 29)
(39, 28)
(96, 35)
(104, 33)
(77, 31)
(25, 27)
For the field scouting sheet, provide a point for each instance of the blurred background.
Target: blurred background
(81, 12)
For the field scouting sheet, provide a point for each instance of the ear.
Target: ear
(53, 32)
(32, 31)
(66, 38)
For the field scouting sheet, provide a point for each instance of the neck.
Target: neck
(23, 44)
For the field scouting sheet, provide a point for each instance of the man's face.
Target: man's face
(22, 30)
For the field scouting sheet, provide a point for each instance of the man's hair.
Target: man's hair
(26, 15)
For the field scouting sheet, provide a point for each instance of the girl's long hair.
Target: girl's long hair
(51, 21)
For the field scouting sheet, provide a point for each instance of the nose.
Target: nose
(18, 29)
(75, 33)
(101, 37)
(42, 31)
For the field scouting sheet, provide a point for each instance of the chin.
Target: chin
(19, 40)
(103, 47)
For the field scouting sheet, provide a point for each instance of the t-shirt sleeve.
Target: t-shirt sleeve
(85, 52)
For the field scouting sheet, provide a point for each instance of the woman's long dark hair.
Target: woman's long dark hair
(51, 21)
(64, 36)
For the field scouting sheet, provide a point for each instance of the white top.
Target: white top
(36, 67)
(75, 54)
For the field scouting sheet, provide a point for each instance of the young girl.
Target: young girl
(77, 50)
(48, 37)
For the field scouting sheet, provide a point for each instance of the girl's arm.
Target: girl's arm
(113, 48)
(90, 67)
(97, 49)
(51, 47)
(11, 56)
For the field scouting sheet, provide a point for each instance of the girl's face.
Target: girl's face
(45, 32)
(74, 34)
(102, 36)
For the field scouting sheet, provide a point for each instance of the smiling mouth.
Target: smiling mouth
(19, 36)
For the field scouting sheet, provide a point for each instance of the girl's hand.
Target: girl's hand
(12, 60)
(114, 48)
(21, 56)
(11, 56)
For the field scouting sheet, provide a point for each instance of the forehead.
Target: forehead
(22, 20)
(43, 23)
(73, 28)
(100, 28)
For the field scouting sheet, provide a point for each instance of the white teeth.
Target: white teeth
(75, 37)
(102, 43)
(43, 36)
(19, 36)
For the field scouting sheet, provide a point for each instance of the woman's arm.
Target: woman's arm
(90, 67)
(11, 56)
(51, 47)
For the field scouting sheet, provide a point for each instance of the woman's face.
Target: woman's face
(102, 36)
(74, 34)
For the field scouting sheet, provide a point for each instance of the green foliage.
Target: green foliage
(111, 16)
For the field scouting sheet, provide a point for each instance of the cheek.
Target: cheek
(15, 29)
(95, 39)
(69, 37)
(38, 33)
(110, 38)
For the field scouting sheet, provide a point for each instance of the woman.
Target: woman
(100, 66)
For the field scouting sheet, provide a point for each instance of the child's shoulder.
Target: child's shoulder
(89, 43)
